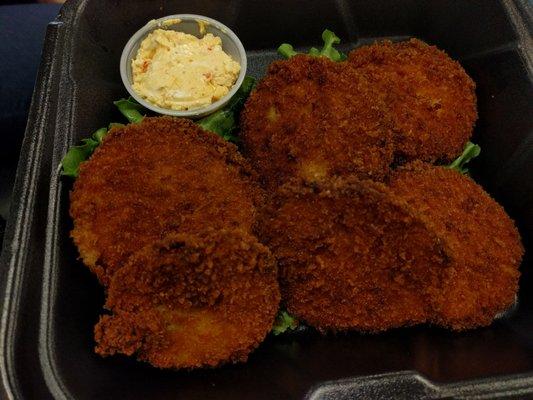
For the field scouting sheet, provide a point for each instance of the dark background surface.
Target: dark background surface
(22, 30)
(56, 301)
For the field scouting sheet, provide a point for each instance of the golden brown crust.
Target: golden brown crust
(162, 175)
(431, 247)
(192, 300)
(163, 213)
(312, 118)
(431, 99)
(352, 256)
(482, 280)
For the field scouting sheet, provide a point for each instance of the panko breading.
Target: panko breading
(159, 176)
(358, 231)
(189, 301)
(352, 256)
(431, 99)
(485, 245)
(313, 118)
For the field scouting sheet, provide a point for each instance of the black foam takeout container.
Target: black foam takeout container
(50, 302)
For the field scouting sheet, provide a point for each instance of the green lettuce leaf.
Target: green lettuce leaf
(284, 322)
(287, 51)
(70, 164)
(224, 121)
(470, 152)
(130, 109)
(77, 154)
(329, 38)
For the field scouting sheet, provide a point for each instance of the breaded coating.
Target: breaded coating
(352, 256)
(312, 118)
(145, 180)
(191, 300)
(431, 99)
(482, 279)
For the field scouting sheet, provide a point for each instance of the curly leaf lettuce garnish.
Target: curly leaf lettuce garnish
(130, 109)
(286, 50)
(470, 151)
(284, 322)
(115, 125)
(328, 50)
(224, 121)
(77, 154)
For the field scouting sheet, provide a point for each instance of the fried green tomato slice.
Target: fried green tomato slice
(190, 301)
(430, 97)
(312, 118)
(352, 256)
(145, 180)
(482, 279)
